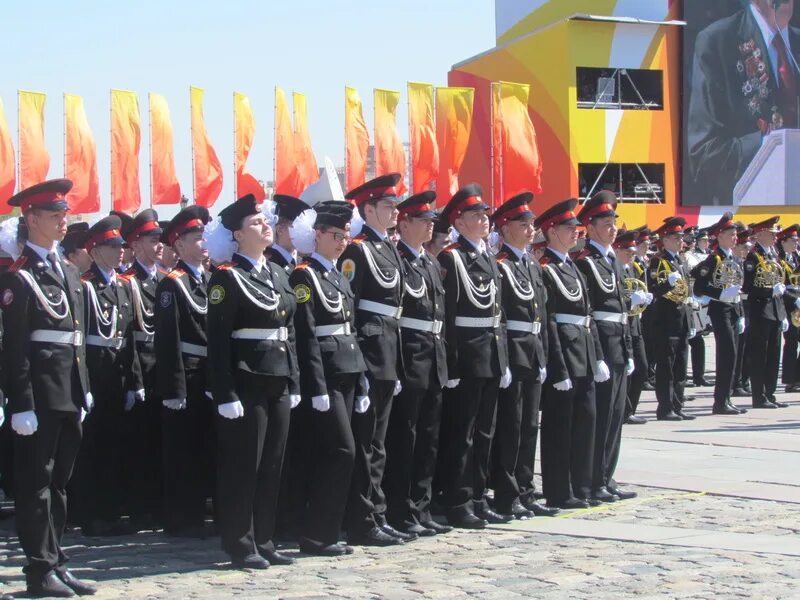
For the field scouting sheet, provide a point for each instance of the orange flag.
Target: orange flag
(34, 160)
(453, 126)
(8, 167)
(390, 156)
(164, 186)
(518, 165)
(244, 128)
(423, 148)
(306, 161)
(287, 175)
(126, 139)
(356, 140)
(80, 158)
(206, 168)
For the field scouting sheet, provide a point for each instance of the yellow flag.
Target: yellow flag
(80, 158)
(453, 128)
(390, 156)
(34, 160)
(303, 151)
(356, 140)
(423, 149)
(126, 140)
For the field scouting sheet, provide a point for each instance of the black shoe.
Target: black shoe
(373, 537)
(764, 404)
(603, 495)
(702, 382)
(569, 504)
(276, 558)
(622, 494)
(648, 386)
(143, 523)
(792, 387)
(774, 400)
(685, 416)
(689, 398)
(518, 511)
(417, 529)
(538, 509)
(747, 387)
(49, 586)
(309, 547)
(251, 561)
(670, 416)
(635, 420)
(738, 409)
(488, 515)
(406, 537)
(739, 392)
(438, 528)
(76, 585)
(467, 521)
(724, 410)
(590, 501)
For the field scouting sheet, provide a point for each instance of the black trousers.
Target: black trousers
(189, 447)
(671, 355)
(249, 462)
(698, 346)
(638, 377)
(763, 352)
(332, 452)
(510, 449)
(7, 458)
(468, 419)
(367, 504)
(298, 459)
(741, 373)
(412, 444)
(610, 397)
(568, 429)
(791, 361)
(43, 464)
(649, 337)
(723, 321)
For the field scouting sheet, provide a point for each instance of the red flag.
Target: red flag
(164, 186)
(390, 157)
(207, 168)
(244, 132)
(80, 158)
(287, 175)
(356, 140)
(126, 140)
(34, 160)
(453, 128)
(8, 166)
(424, 150)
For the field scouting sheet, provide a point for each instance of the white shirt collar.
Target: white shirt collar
(196, 271)
(329, 265)
(383, 235)
(768, 33)
(41, 250)
(412, 249)
(605, 251)
(480, 246)
(727, 252)
(151, 271)
(520, 253)
(767, 249)
(563, 257)
(111, 277)
(288, 256)
(257, 264)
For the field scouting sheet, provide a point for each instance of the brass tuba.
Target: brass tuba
(630, 285)
(680, 291)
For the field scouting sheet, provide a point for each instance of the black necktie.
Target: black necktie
(53, 260)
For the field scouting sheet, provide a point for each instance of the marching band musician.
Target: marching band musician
(741, 374)
(252, 362)
(640, 262)
(787, 252)
(697, 345)
(720, 278)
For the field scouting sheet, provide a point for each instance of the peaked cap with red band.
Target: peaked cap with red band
(558, 214)
(602, 204)
(382, 187)
(106, 232)
(671, 226)
(191, 218)
(770, 224)
(145, 223)
(725, 222)
(790, 233)
(514, 209)
(627, 239)
(48, 195)
(643, 234)
(467, 198)
(418, 205)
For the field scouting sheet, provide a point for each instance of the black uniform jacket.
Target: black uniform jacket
(671, 319)
(144, 317)
(762, 303)
(703, 275)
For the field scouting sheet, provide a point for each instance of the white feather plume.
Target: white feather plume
(302, 232)
(356, 223)
(495, 241)
(268, 209)
(454, 234)
(219, 241)
(8, 237)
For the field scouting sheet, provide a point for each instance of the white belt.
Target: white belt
(141, 336)
(743, 296)
(281, 334)
(585, 321)
(421, 325)
(734, 301)
(326, 330)
(380, 309)
(194, 349)
(478, 321)
(525, 326)
(117, 343)
(53, 336)
(610, 317)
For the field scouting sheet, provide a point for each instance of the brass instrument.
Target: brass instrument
(793, 283)
(727, 273)
(796, 317)
(630, 285)
(768, 273)
(680, 291)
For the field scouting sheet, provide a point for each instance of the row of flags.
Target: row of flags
(440, 132)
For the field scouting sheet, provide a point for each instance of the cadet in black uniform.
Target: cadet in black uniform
(668, 282)
(332, 380)
(790, 373)
(282, 252)
(741, 374)
(764, 284)
(254, 383)
(604, 279)
(375, 271)
(574, 357)
(477, 361)
(181, 351)
(525, 309)
(46, 384)
(72, 247)
(412, 440)
(720, 277)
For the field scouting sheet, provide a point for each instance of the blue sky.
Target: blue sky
(310, 46)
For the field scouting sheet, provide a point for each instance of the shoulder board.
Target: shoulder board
(545, 260)
(18, 264)
(164, 272)
(130, 272)
(226, 266)
(583, 254)
(176, 273)
(125, 276)
(574, 255)
(302, 265)
(360, 238)
(88, 276)
(450, 248)
(501, 256)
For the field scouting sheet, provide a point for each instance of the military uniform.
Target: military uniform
(636, 381)
(790, 372)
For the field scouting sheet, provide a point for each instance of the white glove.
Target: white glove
(2, 416)
(83, 415)
(778, 289)
(650, 298)
(89, 402)
(704, 300)
(797, 303)
(729, 293)
(505, 380)
(397, 388)
(231, 410)
(638, 298)
(175, 403)
(542, 374)
(692, 332)
(24, 423)
(630, 367)
(294, 400)
(784, 326)
(563, 386)
(602, 373)
(321, 403)
(451, 383)
(364, 382)
(673, 277)
(740, 325)
(362, 404)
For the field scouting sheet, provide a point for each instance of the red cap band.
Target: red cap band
(182, 228)
(141, 230)
(509, 215)
(596, 210)
(465, 203)
(373, 194)
(42, 198)
(100, 237)
(410, 211)
(556, 219)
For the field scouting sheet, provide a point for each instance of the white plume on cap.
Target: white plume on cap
(302, 232)
(326, 188)
(219, 241)
(8, 237)
(268, 209)
(356, 223)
